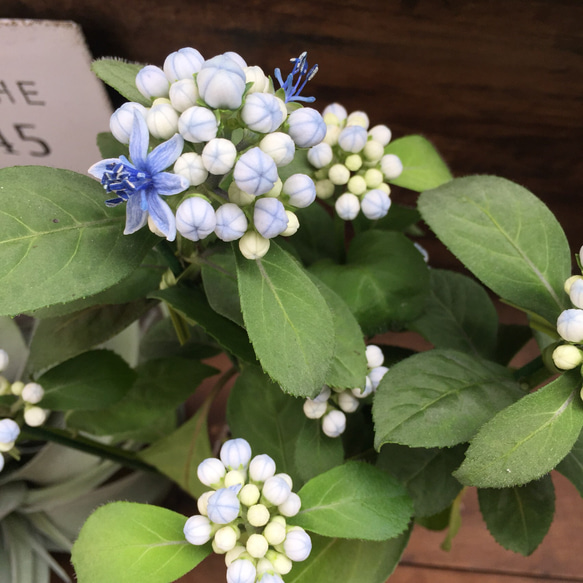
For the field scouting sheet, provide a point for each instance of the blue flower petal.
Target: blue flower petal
(164, 155)
(162, 215)
(139, 142)
(166, 183)
(136, 218)
(99, 168)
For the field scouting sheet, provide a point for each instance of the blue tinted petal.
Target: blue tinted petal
(165, 154)
(139, 141)
(162, 215)
(99, 168)
(166, 183)
(136, 218)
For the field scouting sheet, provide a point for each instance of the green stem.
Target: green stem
(61, 437)
(169, 257)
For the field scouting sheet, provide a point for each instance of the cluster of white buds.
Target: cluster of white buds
(236, 133)
(331, 405)
(245, 515)
(352, 164)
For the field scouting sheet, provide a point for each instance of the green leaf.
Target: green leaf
(506, 236)
(178, 455)
(440, 398)
(109, 147)
(334, 560)
(528, 439)
(572, 465)
(355, 500)
(423, 167)
(121, 76)
(92, 380)
(426, 473)
(80, 331)
(519, 517)
(193, 305)
(288, 321)
(384, 281)
(58, 240)
(458, 315)
(127, 542)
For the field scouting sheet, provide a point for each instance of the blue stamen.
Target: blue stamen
(292, 90)
(123, 180)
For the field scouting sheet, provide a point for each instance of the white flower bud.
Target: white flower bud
(291, 506)
(352, 139)
(4, 360)
(281, 564)
(332, 133)
(306, 127)
(35, 416)
(225, 538)
(391, 166)
(384, 187)
(183, 94)
(162, 120)
(241, 571)
(264, 567)
(356, 185)
(333, 424)
(231, 222)
(256, 76)
(197, 530)
(219, 155)
(297, 544)
(276, 190)
(301, 190)
(373, 178)
(276, 490)
(182, 64)
(238, 196)
(373, 151)
(375, 204)
(269, 217)
(261, 467)
(347, 206)
(331, 120)
(32, 393)
(324, 189)
(152, 82)
(570, 325)
(223, 506)
(221, 82)
(287, 478)
(237, 58)
(236, 453)
(16, 388)
(202, 501)
(234, 554)
(358, 118)
(197, 124)
(271, 578)
(249, 494)
(121, 121)
(313, 409)
(376, 375)
(360, 394)
(191, 167)
(262, 112)
(235, 478)
(570, 281)
(278, 146)
(6, 446)
(253, 246)
(348, 402)
(211, 472)
(339, 174)
(336, 109)
(567, 357)
(257, 546)
(374, 356)
(154, 228)
(275, 532)
(323, 395)
(381, 134)
(423, 252)
(576, 293)
(258, 515)
(195, 218)
(320, 155)
(9, 430)
(255, 172)
(293, 224)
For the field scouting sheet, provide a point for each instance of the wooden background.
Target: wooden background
(497, 85)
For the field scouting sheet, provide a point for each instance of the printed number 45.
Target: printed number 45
(22, 130)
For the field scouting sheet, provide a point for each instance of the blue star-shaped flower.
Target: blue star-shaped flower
(293, 87)
(140, 182)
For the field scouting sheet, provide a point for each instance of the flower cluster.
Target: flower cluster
(245, 515)
(227, 132)
(331, 404)
(352, 164)
(26, 399)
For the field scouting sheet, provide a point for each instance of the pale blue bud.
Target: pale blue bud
(269, 217)
(280, 147)
(182, 64)
(306, 127)
(219, 155)
(9, 430)
(211, 471)
(231, 222)
(314, 409)
(237, 58)
(121, 121)
(336, 109)
(352, 139)
(195, 218)
(221, 82)
(255, 172)
(152, 82)
(333, 424)
(197, 530)
(223, 506)
(347, 206)
(323, 395)
(183, 94)
(376, 375)
(301, 190)
(261, 467)
(570, 325)
(263, 112)
(297, 544)
(271, 578)
(276, 490)
(235, 453)
(576, 293)
(241, 571)
(291, 506)
(198, 124)
(391, 166)
(375, 204)
(374, 356)
(320, 155)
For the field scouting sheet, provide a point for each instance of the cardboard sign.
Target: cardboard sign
(51, 105)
